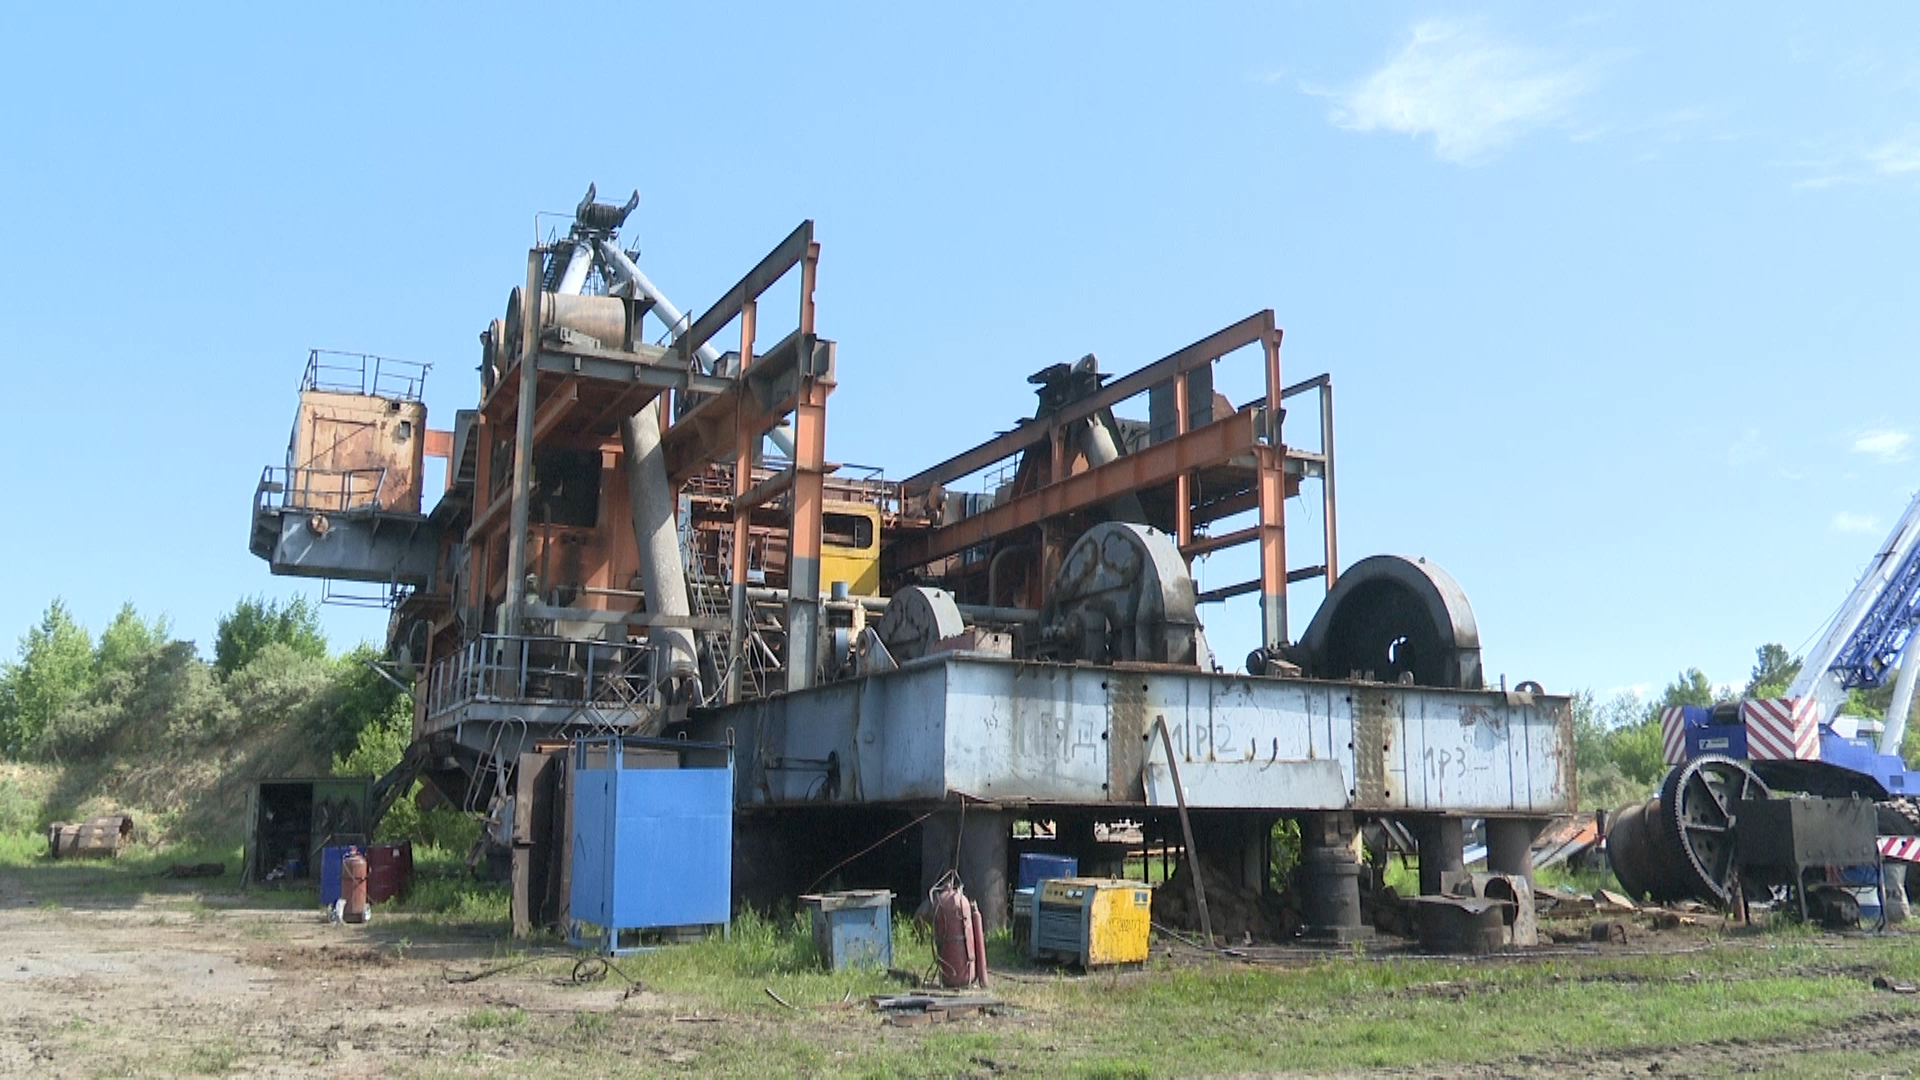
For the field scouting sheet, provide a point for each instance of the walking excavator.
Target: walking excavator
(1683, 842)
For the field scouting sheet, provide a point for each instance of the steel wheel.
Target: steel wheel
(1700, 805)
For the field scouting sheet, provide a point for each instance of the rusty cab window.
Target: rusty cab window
(846, 531)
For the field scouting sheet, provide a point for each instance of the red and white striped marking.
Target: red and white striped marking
(1673, 734)
(1781, 729)
(1903, 848)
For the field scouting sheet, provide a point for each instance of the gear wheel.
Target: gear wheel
(1699, 805)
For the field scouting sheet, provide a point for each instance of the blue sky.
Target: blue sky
(1617, 300)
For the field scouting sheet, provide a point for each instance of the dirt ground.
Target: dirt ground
(140, 986)
(209, 983)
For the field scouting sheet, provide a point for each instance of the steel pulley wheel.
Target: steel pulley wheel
(1699, 806)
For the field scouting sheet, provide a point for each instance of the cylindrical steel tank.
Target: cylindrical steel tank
(389, 870)
(353, 887)
(606, 319)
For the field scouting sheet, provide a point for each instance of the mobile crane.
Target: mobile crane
(1680, 843)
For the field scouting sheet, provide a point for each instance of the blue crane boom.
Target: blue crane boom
(1872, 635)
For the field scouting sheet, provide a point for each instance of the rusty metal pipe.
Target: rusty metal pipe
(761, 594)
(676, 323)
(663, 309)
(578, 265)
(662, 573)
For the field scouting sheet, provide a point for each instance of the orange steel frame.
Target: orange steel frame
(559, 394)
(1254, 431)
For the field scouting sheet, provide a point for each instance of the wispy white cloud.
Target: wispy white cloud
(1887, 445)
(1896, 157)
(1471, 90)
(1747, 449)
(1891, 160)
(1848, 522)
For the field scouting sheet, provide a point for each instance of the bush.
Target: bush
(18, 813)
(379, 748)
(256, 623)
(280, 682)
(358, 697)
(161, 693)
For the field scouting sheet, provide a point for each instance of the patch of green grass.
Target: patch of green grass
(212, 1059)
(1585, 882)
(453, 898)
(759, 953)
(494, 1019)
(22, 848)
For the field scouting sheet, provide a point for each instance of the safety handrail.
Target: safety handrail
(542, 669)
(304, 488)
(365, 373)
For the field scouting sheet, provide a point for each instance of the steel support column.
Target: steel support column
(523, 446)
(1510, 845)
(745, 441)
(974, 841)
(1330, 877)
(1273, 546)
(1273, 500)
(809, 481)
(1443, 843)
(803, 567)
(1183, 485)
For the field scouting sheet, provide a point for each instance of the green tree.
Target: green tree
(383, 739)
(164, 695)
(128, 640)
(1690, 687)
(55, 670)
(257, 622)
(1773, 672)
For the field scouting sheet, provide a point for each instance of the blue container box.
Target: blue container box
(853, 929)
(1035, 868)
(331, 860)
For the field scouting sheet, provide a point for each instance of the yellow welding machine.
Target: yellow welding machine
(1092, 922)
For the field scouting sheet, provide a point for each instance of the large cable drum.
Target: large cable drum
(606, 319)
(916, 619)
(1398, 619)
(1123, 594)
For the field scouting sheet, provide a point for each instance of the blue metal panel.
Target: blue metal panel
(1023, 731)
(331, 861)
(591, 896)
(1036, 867)
(652, 847)
(1859, 757)
(1723, 740)
(672, 847)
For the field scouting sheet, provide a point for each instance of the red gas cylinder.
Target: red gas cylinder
(353, 887)
(955, 942)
